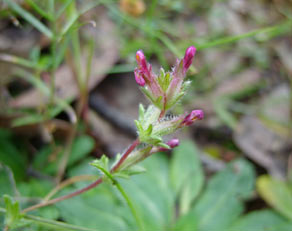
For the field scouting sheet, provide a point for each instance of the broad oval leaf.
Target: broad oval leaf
(186, 174)
(220, 204)
(277, 193)
(265, 220)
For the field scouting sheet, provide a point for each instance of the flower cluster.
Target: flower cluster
(163, 90)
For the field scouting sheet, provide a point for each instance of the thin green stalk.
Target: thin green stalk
(126, 197)
(50, 223)
(40, 11)
(66, 154)
(19, 61)
(89, 62)
(53, 54)
(59, 224)
(74, 16)
(131, 205)
(30, 18)
(53, 70)
(272, 30)
(72, 13)
(151, 10)
(63, 8)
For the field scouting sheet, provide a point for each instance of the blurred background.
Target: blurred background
(68, 95)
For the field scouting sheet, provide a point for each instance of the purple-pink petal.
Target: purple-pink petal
(194, 115)
(139, 78)
(171, 143)
(141, 60)
(188, 58)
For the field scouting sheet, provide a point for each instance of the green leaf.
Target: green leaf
(81, 147)
(277, 193)
(147, 94)
(97, 209)
(35, 188)
(264, 220)
(20, 61)
(141, 112)
(73, 16)
(11, 154)
(139, 126)
(134, 170)
(12, 216)
(101, 164)
(7, 179)
(149, 130)
(186, 174)
(39, 10)
(271, 31)
(151, 194)
(220, 205)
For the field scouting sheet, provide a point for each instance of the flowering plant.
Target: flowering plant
(163, 91)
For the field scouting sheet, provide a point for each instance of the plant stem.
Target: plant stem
(60, 224)
(124, 194)
(66, 154)
(125, 155)
(85, 189)
(130, 204)
(67, 182)
(73, 194)
(48, 222)
(53, 55)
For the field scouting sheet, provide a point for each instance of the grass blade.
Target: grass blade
(40, 11)
(30, 18)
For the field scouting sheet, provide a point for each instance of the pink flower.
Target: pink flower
(193, 116)
(141, 60)
(188, 59)
(145, 76)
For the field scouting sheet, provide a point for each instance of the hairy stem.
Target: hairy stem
(125, 155)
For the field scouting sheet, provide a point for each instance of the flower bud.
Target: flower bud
(188, 59)
(171, 143)
(194, 115)
(141, 60)
(139, 78)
